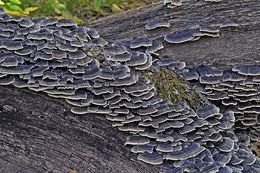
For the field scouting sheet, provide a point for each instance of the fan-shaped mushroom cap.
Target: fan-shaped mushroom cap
(207, 111)
(128, 81)
(11, 45)
(40, 36)
(209, 79)
(140, 42)
(142, 148)
(151, 158)
(7, 80)
(248, 70)
(157, 23)
(164, 147)
(179, 36)
(166, 60)
(235, 160)
(210, 29)
(77, 43)
(137, 140)
(226, 145)
(156, 45)
(91, 72)
(205, 70)
(26, 22)
(192, 150)
(115, 50)
(222, 157)
(190, 74)
(65, 23)
(121, 57)
(137, 59)
(18, 70)
(147, 65)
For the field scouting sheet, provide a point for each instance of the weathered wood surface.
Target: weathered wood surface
(44, 136)
(237, 45)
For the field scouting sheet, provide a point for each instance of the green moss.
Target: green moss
(173, 88)
(79, 10)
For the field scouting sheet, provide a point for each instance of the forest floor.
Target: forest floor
(81, 11)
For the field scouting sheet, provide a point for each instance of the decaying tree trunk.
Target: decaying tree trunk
(39, 134)
(236, 45)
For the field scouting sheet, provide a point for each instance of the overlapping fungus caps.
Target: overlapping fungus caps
(237, 89)
(192, 34)
(170, 62)
(66, 63)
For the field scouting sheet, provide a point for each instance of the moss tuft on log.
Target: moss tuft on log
(174, 88)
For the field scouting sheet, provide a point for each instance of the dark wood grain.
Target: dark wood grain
(43, 136)
(236, 45)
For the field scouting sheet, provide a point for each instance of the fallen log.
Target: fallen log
(39, 134)
(48, 131)
(236, 45)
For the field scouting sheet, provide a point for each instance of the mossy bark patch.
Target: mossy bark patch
(173, 88)
(256, 148)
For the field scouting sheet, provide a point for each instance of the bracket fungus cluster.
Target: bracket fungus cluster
(192, 34)
(74, 63)
(235, 89)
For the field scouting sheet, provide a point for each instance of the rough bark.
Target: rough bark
(39, 134)
(236, 45)
(43, 136)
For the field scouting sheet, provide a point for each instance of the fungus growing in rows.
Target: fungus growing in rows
(247, 70)
(147, 148)
(72, 64)
(151, 158)
(26, 22)
(192, 150)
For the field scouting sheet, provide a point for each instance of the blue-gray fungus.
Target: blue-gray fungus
(157, 23)
(235, 90)
(73, 63)
(179, 37)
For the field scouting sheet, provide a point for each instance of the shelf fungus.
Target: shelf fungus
(141, 94)
(179, 37)
(157, 23)
(236, 90)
